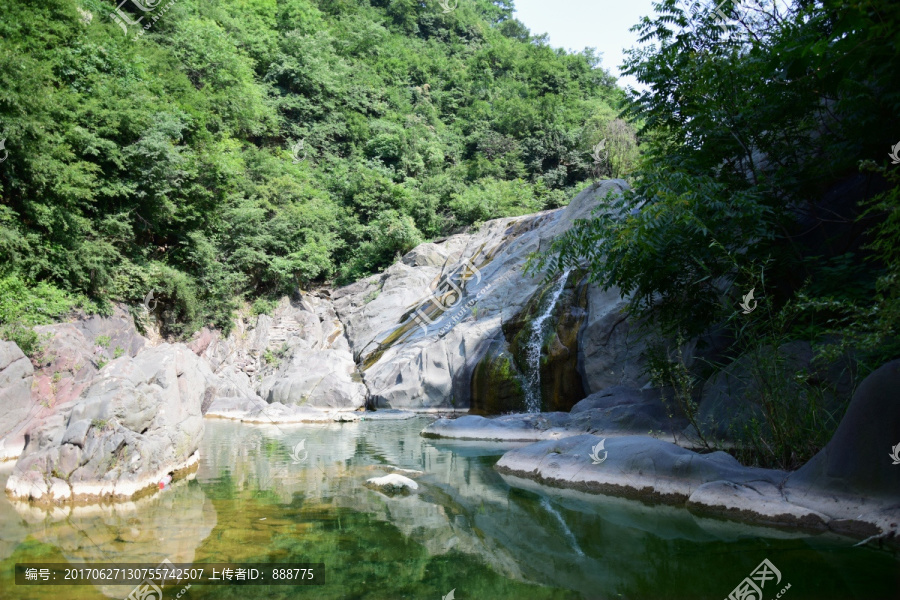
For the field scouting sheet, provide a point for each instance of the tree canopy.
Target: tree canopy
(160, 155)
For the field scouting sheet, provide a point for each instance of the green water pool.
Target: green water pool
(467, 529)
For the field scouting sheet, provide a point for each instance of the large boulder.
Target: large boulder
(610, 351)
(138, 421)
(855, 471)
(16, 377)
(420, 329)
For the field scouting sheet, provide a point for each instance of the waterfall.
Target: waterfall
(533, 350)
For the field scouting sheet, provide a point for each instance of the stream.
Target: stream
(467, 529)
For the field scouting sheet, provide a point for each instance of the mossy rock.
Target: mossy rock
(496, 383)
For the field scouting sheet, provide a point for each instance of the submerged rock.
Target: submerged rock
(393, 484)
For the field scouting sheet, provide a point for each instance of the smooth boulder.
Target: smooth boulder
(137, 422)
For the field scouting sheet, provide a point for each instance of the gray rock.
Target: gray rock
(16, 377)
(119, 328)
(617, 395)
(609, 351)
(139, 420)
(854, 473)
(759, 502)
(636, 467)
(413, 362)
(320, 378)
(299, 356)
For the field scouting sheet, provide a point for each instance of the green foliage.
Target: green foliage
(492, 198)
(23, 306)
(163, 163)
(263, 306)
(274, 358)
(746, 138)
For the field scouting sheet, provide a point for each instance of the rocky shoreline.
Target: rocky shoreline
(455, 331)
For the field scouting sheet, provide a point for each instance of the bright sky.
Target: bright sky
(578, 24)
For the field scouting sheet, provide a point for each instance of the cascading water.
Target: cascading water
(533, 349)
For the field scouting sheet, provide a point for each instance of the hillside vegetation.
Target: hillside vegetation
(238, 149)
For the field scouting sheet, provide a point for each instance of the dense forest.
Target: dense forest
(230, 151)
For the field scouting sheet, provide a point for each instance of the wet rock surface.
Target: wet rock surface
(849, 487)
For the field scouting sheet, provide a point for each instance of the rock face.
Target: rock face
(543, 339)
(298, 356)
(422, 330)
(137, 422)
(855, 469)
(610, 350)
(16, 376)
(71, 356)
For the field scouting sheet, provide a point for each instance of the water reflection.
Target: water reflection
(467, 528)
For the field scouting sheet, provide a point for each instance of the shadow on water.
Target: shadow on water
(467, 529)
